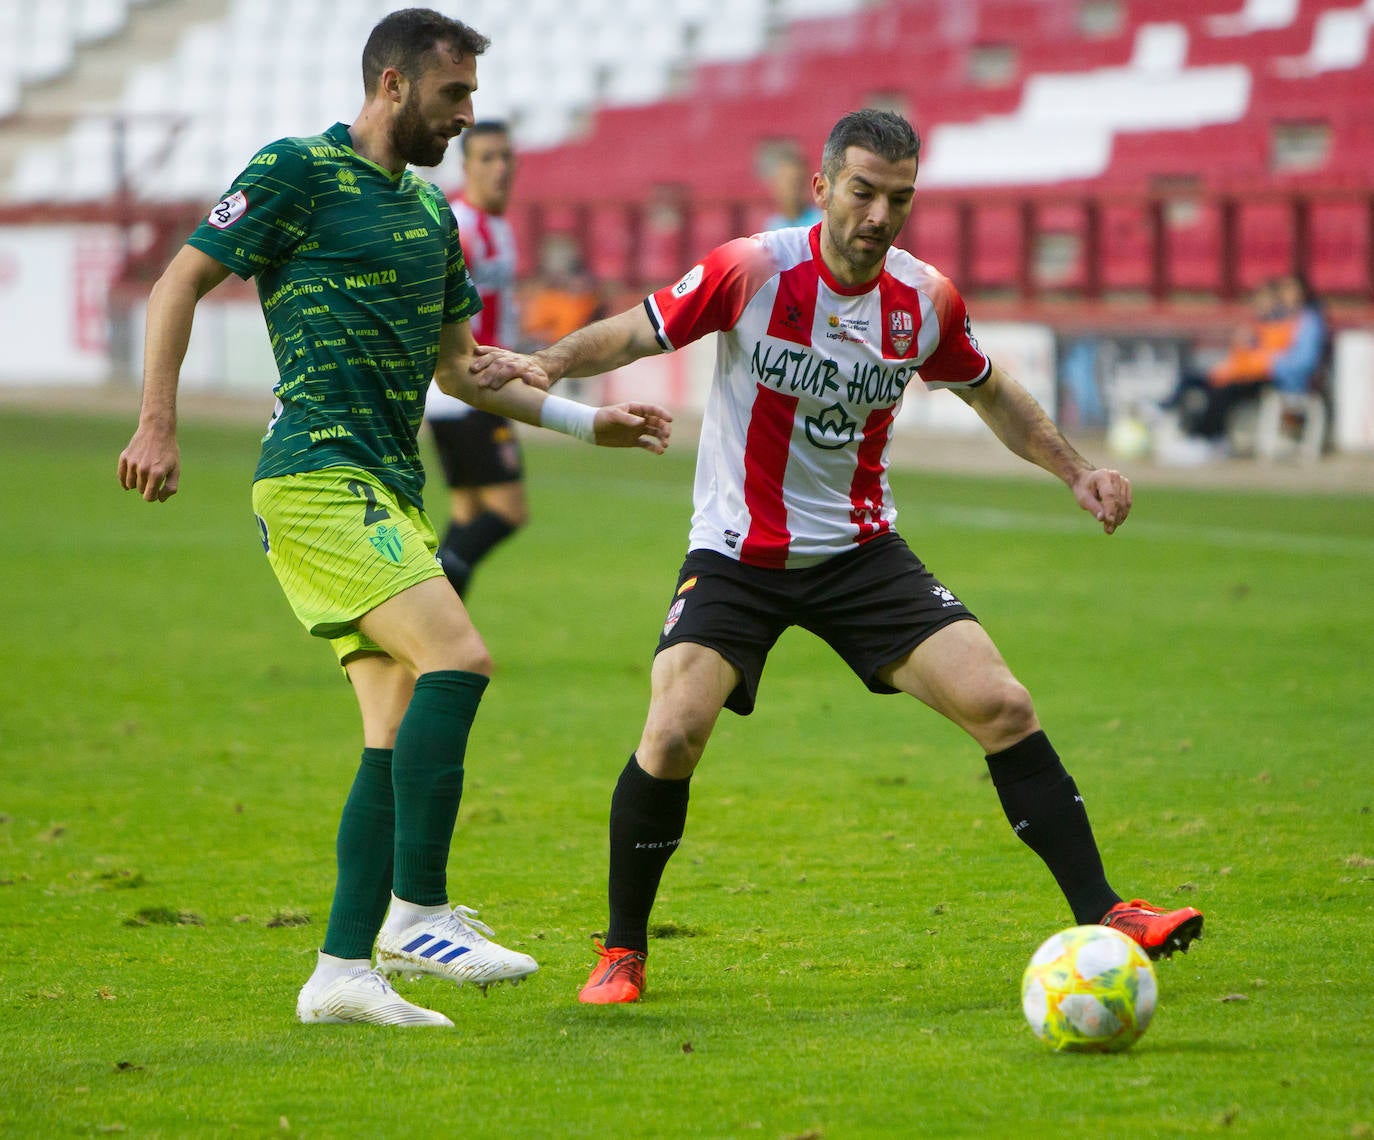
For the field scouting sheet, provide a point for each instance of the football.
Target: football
(1089, 989)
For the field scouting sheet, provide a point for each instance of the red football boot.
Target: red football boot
(1159, 932)
(618, 976)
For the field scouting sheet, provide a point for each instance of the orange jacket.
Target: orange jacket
(1253, 362)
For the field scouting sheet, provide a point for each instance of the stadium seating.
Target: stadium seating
(666, 105)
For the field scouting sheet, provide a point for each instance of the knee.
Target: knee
(470, 655)
(1004, 714)
(671, 751)
(479, 660)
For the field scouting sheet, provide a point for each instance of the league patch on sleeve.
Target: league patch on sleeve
(690, 281)
(968, 332)
(228, 211)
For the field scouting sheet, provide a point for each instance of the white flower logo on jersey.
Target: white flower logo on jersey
(228, 211)
(832, 429)
(689, 282)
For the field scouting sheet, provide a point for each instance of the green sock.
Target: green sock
(364, 850)
(427, 775)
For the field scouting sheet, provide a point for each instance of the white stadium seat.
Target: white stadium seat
(1340, 40)
(98, 20)
(983, 153)
(49, 46)
(1255, 16)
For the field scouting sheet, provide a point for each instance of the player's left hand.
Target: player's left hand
(495, 367)
(1105, 494)
(633, 425)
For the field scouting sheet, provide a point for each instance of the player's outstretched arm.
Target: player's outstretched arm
(600, 347)
(1022, 425)
(151, 463)
(629, 424)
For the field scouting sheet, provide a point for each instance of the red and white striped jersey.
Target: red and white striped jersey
(792, 463)
(488, 243)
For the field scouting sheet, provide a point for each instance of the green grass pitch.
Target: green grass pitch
(841, 937)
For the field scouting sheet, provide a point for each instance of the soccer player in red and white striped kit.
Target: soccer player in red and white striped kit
(821, 329)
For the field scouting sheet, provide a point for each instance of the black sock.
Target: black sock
(648, 816)
(466, 545)
(1047, 813)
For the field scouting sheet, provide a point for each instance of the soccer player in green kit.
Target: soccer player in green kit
(366, 297)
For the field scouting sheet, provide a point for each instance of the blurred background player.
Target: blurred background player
(789, 183)
(479, 451)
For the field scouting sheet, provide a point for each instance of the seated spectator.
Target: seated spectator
(1290, 358)
(1284, 346)
(1268, 331)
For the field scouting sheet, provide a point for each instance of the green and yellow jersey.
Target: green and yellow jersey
(356, 269)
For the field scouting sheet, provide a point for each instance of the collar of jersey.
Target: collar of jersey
(339, 136)
(829, 278)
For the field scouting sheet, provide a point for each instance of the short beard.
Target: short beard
(413, 139)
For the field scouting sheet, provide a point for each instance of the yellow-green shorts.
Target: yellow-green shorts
(341, 543)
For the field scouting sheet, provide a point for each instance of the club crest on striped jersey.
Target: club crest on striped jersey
(901, 330)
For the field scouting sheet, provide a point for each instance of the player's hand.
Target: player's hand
(495, 367)
(1104, 494)
(633, 425)
(151, 464)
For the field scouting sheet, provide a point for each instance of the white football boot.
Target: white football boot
(363, 997)
(452, 945)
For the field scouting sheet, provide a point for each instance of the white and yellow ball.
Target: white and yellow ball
(1089, 989)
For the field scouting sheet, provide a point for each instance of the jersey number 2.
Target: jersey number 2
(373, 513)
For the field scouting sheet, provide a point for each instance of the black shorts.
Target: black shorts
(477, 449)
(872, 605)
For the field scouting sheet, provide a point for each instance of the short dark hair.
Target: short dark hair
(884, 133)
(403, 38)
(483, 127)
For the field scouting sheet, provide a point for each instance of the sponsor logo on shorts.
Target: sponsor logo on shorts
(228, 211)
(674, 612)
(262, 534)
(687, 585)
(387, 542)
(946, 598)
